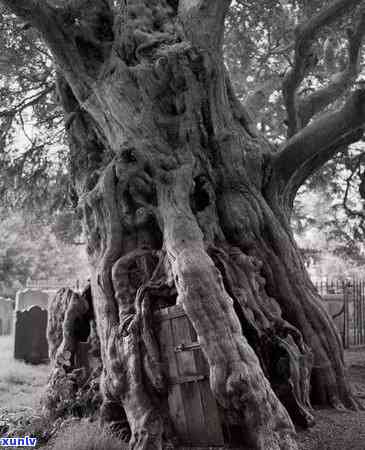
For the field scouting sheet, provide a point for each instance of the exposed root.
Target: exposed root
(72, 389)
(135, 371)
(285, 358)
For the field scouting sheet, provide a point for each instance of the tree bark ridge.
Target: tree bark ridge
(235, 374)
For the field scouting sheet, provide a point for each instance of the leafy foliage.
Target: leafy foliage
(29, 249)
(33, 154)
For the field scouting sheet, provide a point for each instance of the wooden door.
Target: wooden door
(193, 408)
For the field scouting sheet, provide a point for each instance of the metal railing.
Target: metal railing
(345, 301)
(52, 284)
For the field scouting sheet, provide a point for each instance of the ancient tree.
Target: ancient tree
(185, 201)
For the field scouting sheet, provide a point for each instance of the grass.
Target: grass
(83, 435)
(21, 385)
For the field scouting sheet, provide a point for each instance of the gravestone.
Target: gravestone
(30, 342)
(334, 303)
(31, 297)
(6, 315)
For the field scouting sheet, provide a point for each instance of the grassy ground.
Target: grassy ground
(83, 435)
(21, 384)
(341, 430)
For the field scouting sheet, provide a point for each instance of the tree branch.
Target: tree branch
(325, 133)
(203, 21)
(341, 82)
(29, 10)
(28, 101)
(63, 26)
(304, 59)
(7, 116)
(349, 211)
(39, 14)
(316, 162)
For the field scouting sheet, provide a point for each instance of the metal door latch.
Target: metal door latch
(187, 347)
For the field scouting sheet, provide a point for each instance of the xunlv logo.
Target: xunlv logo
(18, 442)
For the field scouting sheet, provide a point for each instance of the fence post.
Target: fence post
(346, 325)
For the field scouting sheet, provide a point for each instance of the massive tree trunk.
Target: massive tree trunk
(185, 202)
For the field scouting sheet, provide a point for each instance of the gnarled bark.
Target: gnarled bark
(71, 388)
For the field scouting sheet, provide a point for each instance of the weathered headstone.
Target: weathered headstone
(334, 303)
(30, 335)
(6, 315)
(31, 297)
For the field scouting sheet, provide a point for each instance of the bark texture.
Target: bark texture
(74, 384)
(185, 202)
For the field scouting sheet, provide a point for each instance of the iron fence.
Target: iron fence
(52, 284)
(345, 301)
